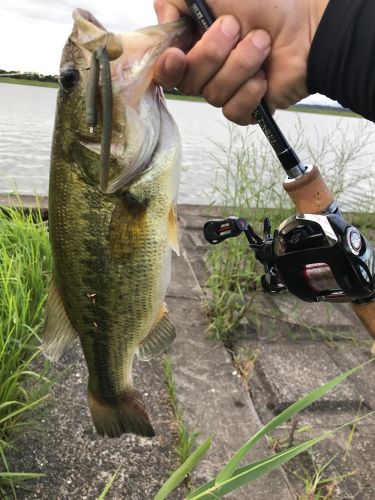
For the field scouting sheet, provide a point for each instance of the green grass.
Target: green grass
(180, 97)
(248, 179)
(318, 483)
(25, 263)
(185, 439)
(21, 81)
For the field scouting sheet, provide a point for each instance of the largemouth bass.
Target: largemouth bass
(112, 215)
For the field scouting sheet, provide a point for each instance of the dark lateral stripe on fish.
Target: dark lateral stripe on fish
(127, 414)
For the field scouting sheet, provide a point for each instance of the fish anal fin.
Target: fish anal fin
(172, 229)
(160, 337)
(126, 413)
(58, 332)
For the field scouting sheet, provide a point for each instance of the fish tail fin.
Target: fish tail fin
(124, 414)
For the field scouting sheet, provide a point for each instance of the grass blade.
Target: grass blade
(251, 472)
(24, 408)
(20, 476)
(287, 414)
(182, 471)
(109, 484)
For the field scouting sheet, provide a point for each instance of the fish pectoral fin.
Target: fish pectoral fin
(58, 332)
(160, 337)
(172, 229)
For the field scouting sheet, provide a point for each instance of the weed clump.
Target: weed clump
(25, 263)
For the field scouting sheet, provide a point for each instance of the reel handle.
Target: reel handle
(216, 231)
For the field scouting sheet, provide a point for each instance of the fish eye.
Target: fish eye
(69, 78)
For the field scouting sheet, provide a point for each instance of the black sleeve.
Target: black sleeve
(341, 62)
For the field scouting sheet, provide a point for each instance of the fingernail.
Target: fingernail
(230, 27)
(261, 39)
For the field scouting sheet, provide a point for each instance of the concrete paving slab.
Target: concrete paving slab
(330, 317)
(310, 313)
(291, 339)
(354, 355)
(287, 372)
(214, 401)
(351, 472)
(184, 284)
(264, 321)
(77, 463)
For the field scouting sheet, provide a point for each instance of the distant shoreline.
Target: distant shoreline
(300, 108)
(20, 81)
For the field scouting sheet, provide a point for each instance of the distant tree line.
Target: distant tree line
(29, 76)
(54, 79)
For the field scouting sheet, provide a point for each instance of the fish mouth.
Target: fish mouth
(136, 136)
(133, 120)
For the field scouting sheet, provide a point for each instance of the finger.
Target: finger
(166, 11)
(209, 54)
(169, 69)
(243, 62)
(240, 107)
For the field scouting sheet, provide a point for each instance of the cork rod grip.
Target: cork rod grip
(310, 194)
(366, 313)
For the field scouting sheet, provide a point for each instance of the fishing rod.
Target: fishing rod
(316, 254)
(292, 165)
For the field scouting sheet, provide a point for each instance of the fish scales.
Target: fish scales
(112, 247)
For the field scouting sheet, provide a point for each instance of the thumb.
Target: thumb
(170, 68)
(166, 11)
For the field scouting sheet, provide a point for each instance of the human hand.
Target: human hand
(226, 65)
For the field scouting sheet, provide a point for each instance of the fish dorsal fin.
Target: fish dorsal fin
(160, 337)
(172, 229)
(58, 332)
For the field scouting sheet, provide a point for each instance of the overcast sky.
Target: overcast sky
(33, 32)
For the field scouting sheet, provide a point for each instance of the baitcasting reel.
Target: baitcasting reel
(316, 257)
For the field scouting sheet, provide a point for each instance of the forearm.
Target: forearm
(341, 62)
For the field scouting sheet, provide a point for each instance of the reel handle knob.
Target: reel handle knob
(216, 231)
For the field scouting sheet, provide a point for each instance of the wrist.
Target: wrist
(316, 13)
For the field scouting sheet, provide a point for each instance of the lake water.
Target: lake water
(26, 124)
